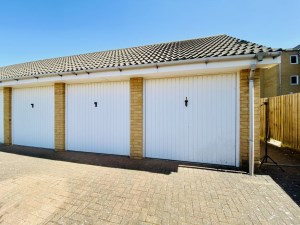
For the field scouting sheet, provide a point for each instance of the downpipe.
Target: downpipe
(251, 120)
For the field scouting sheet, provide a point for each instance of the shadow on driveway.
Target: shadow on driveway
(113, 161)
(289, 180)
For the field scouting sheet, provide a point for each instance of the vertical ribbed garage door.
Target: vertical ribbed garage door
(33, 116)
(1, 117)
(200, 130)
(98, 117)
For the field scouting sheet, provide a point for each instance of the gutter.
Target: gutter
(157, 65)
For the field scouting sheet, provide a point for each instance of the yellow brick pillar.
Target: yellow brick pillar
(136, 118)
(7, 98)
(59, 99)
(244, 117)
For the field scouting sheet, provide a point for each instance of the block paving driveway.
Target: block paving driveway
(43, 191)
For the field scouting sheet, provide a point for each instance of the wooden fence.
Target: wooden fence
(284, 119)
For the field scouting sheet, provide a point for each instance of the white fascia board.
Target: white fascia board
(45, 81)
(154, 71)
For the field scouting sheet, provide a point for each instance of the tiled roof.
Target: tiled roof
(297, 47)
(214, 46)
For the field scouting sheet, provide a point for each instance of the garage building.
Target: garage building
(194, 100)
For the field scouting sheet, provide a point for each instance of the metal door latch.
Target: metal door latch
(96, 104)
(32, 105)
(186, 102)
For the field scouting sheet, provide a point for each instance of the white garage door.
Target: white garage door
(98, 117)
(1, 117)
(33, 116)
(203, 129)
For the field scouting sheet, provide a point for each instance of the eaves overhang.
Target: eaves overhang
(202, 66)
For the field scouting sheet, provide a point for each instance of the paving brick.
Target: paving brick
(32, 192)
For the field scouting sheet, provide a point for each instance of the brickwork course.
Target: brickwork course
(136, 118)
(7, 101)
(272, 84)
(287, 70)
(59, 99)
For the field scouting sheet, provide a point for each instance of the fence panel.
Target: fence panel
(284, 119)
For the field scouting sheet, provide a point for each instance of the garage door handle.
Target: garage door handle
(186, 102)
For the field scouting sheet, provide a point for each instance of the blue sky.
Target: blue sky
(35, 29)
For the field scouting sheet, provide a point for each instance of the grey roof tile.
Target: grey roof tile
(297, 47)
(214, 46)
